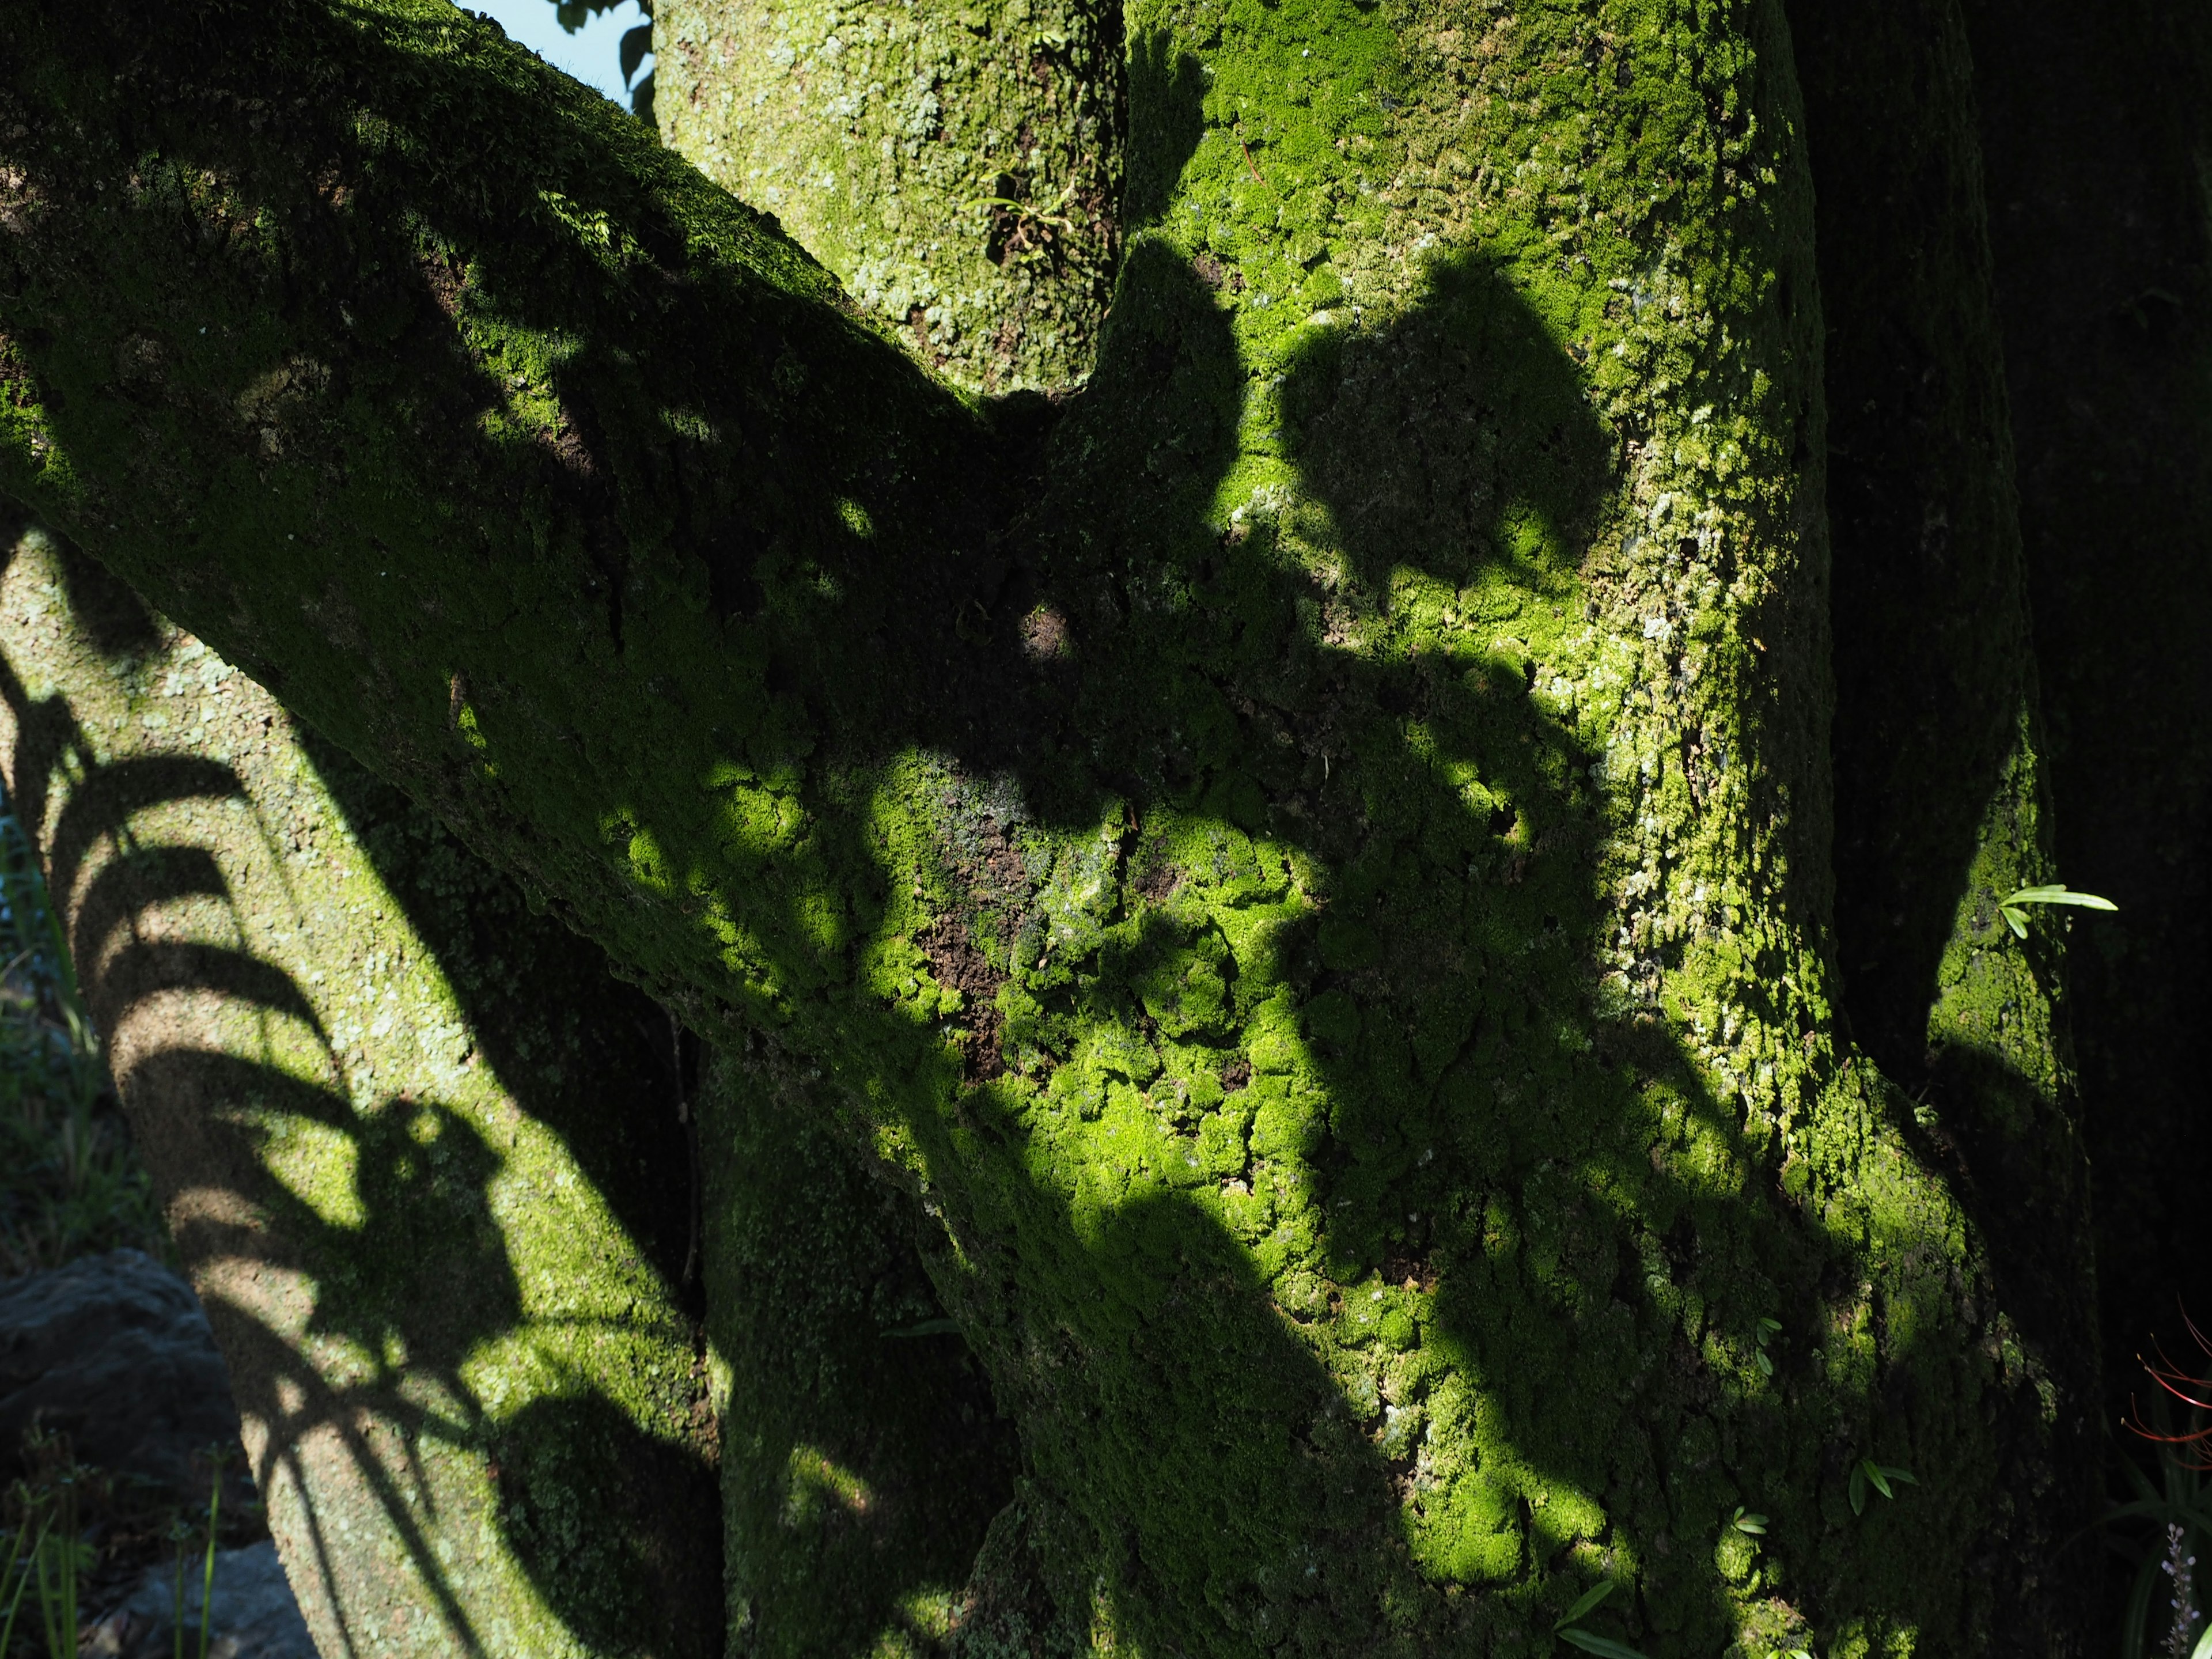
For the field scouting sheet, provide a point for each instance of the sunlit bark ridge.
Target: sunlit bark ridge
(1311, 857)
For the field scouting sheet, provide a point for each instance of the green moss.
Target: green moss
(1319, 889)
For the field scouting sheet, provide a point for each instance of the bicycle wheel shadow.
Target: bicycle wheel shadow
(442, 1390)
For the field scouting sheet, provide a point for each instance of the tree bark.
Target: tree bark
(1937, 707)
(1312, 857)
(446, 1217)
(960, 170)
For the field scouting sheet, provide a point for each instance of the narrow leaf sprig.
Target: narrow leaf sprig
(2013, 904)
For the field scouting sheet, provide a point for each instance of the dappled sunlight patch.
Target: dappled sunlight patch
(316, 1163)
(815, 1483)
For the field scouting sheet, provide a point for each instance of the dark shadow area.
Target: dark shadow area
(864, 1458)
(2090, 119)
(1936, 702)
(1166, 100)
(1928, 601)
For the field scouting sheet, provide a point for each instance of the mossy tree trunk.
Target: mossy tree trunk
(421, 1155)
(1311, 855)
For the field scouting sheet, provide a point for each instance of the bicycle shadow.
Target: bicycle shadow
(1460, 1285)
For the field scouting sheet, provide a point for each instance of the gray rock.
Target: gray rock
(114, 1351)
(255, 1616)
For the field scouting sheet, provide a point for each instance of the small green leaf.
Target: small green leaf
(1754, 1524)
(1604, 1646)
(926, 1328)
(1589, 1599)
(2056, 894)
(1765, 1363)
(1905, 1476)
(1878, 1475)
(2204, 1647)
(1858, 1488)
(1768, 1327)
(2016, 919)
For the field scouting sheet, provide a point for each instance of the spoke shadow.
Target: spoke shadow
(619, 1529)
(396, 1303)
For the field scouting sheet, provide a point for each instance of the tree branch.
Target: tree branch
(416, 377)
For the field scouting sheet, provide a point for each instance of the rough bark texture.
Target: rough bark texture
(419, 1153)
(2094, 129)
(957, 167)
(1315, 867)
(1941, 800)
(862, 1457)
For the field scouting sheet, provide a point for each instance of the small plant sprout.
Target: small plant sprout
(2170, 1520)
(17, 1578)
(1767, 1331)
(1788, 1653)
(2015, 913)
(1866, 1472)
(1570, 1630)
(217, 1457)
(1743, 1521)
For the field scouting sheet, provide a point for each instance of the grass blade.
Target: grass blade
(926, 1328)
(1589, 1599)
(2057, 894)
(207, 1581)
(22, 1579)
(1604, 1646)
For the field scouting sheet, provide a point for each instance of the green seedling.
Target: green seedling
(60, 1559)
(1767, 1331)
(1868, 1473)
(180, 1535)
(207, 1581)
(2015, 914)
(18, 1575)
(1570, 1630)
(1754, 1524)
